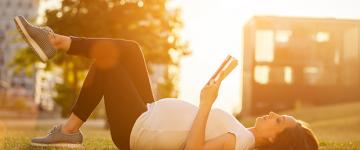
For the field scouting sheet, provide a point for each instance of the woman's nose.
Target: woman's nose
(272, 114)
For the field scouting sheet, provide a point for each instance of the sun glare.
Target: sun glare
(214, 29)
(322, 37)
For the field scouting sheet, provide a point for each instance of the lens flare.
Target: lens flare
(106, 54)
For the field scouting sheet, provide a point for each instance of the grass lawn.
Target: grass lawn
(337, 127)
(18, 139)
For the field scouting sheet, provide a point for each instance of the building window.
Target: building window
(264, 46)
(319, 75)
(288, 75)
(351, 45)
(273, 75)
(322, 37)
(261, 74)
(282, 36)
(350, 71)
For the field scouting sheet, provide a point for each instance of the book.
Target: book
(228, 65)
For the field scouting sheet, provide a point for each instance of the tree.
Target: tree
(148, 22)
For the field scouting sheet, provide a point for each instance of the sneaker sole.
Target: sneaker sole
(29, 40)
(62, 145)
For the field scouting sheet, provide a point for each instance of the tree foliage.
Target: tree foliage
(148, 22)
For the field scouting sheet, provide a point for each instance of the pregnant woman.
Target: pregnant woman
(119, 74)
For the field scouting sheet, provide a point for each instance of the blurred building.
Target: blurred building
(38, 88)
(290, 60)
(10, 43)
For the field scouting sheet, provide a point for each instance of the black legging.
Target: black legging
(119, 74)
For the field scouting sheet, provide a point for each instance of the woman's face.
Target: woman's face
(269, 126)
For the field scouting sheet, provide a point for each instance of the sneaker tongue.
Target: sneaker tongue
(48, 30)
(55, 129)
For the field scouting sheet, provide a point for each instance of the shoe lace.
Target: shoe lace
(53, 130)
(48, 30)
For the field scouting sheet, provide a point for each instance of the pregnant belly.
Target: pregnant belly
(161, 140)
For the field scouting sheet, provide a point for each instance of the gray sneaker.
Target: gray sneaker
(36, 37)
(56, 138)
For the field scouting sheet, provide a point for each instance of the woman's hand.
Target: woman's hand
(209, 93)
(196, 137)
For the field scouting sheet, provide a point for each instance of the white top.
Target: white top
(167, 124)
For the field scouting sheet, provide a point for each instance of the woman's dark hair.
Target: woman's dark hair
(299, 137)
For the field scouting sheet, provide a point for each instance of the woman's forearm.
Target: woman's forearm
(196, 138)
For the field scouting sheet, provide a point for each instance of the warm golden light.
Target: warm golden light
(105, 60)
(261, 74)
(322, 37)
(288, 75)
(227, 22)
(171, 39)
(282, 36)
(264, 47)
(140, 4)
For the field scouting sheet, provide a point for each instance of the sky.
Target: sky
(214, 29)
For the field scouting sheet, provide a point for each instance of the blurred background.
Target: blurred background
(296, 57)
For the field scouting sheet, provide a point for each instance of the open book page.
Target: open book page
(225, 68)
